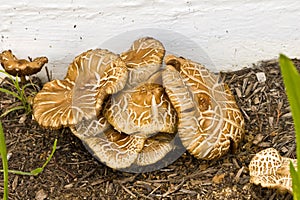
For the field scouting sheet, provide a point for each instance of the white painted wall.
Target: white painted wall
(231, 33)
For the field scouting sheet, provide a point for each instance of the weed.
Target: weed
(4, 162)
(19, 94)
(291, 79)
(5, 170)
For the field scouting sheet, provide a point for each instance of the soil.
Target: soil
(74, 174)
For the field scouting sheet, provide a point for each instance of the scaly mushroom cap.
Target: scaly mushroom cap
(118, 150)
(90, 78)
(143, 111)
(143, 59)
(137, 126)
(21, 67)
(208, 117)
(271, 170)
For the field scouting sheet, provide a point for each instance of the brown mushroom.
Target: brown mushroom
(21, 67)
(91, 77)
(269, 169)
(121, 151)
(144, 111)
(115, 149)
(208, 116)
(143, 59)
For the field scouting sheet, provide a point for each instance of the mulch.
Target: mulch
(74, 174)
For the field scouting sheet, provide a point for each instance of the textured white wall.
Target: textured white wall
(231, 33)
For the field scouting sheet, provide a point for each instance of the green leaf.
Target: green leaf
(291, 79)
(4, 162)
(295, 182)
(36, 171)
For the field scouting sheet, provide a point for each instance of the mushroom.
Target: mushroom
(21, 67)
(121, 151)
(269, 169)
(208, 116)
(143, 59)
(143, 111)
(91, 77)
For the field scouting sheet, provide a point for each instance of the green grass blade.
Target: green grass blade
(4, 162)
(295, 182)
(38, 170)
(11, 93)
(291, 79)
(11, 110)
(8, 75)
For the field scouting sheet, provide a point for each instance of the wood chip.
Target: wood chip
(128, 191)
(261, 77)
(187, 191)
(256, 100)
(238, 92)
(15, 183)
(258, 138)
(238, 175)
(41, 195)
(69, 186)
(218, 178)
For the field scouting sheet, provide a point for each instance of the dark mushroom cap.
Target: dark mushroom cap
(21, 67)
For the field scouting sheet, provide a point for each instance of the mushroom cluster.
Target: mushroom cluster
(269, 169)
(131, 111)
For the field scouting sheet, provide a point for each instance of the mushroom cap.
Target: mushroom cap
(21, 67)
(143, 59)
(119, 150)
(208, 116)
(269, 169)
(155, 149)
(143, 111)
(91, 77)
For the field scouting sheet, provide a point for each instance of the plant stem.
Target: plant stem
(4, 162)
(23, 79)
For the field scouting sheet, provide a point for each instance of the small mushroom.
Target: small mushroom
(91, 77)
(208, 116)
(21, 67)
(143, 59)
(269, 169)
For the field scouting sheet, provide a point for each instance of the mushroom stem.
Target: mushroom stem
(23, 79)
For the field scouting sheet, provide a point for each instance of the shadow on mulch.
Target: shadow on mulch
(74, 174)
